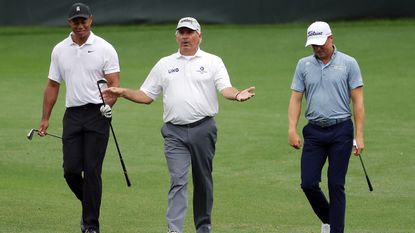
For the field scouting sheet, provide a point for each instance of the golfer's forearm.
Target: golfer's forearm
(113, 80)
(48, 104)
(359, 120)
(137, 96)
(292, 121)
(111, 102)
(358, 111)
(294, 111)
(49, 100)
(230, 93)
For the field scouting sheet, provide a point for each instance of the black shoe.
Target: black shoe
(83, 228)
(91, 231)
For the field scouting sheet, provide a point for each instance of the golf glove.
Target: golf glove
(106, 111)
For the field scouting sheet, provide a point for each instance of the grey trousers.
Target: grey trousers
(186, 146)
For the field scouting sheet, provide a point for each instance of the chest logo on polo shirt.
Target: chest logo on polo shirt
(338, 67)
(201, 70)
(175, 70)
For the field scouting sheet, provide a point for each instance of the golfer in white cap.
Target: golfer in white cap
(188, 81)
(329, 80)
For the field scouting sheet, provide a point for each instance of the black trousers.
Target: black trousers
(85, 139)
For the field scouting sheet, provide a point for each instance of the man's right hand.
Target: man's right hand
(42, 128)
(294, 140)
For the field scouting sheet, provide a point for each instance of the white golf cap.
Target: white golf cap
(317, 33)
(189, 22)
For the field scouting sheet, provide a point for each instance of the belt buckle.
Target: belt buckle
(325, 124)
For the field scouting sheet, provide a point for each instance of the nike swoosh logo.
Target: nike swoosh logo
(90, 51)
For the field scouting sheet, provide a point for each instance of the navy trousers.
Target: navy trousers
(335, 143)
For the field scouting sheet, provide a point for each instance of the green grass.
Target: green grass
(256, 173)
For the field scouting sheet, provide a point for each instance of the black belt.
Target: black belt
(328, 122)
(193, 124)
(85, 107)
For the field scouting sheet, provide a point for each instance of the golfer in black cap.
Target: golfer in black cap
(80, 61)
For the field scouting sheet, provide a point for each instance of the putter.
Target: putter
(32, 131)
(364, 169)
(127, 179)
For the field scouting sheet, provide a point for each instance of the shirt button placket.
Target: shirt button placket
(78, 51)
(187, 68)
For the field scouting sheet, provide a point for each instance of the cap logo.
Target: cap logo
(191, 21)
(186, 20)
(313, 33)
(78, 8)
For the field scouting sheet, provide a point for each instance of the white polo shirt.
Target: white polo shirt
(81, 67)
(188, 84)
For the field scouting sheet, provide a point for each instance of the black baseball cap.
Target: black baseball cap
(79, 10)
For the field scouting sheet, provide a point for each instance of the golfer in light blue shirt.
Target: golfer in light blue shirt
(330, 80)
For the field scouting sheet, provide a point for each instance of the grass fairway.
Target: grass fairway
(256, 173)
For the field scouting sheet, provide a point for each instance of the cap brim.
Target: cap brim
(187, 25)
(194, 29)
(316, 41)
(79, 16)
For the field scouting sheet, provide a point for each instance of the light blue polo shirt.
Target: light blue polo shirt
(327, 87)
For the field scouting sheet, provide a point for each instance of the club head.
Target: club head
(30, 134)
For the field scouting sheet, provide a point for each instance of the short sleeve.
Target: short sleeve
(54, 71)
(111, 64)
(355, 77)
(298, 80)
(152, 85)
(221, 77)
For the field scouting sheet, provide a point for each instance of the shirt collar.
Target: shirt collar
(89, 41)
(334, 52)
(199, 53)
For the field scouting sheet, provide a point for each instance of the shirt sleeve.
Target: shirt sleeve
(111, 64)
(298, 79)
(152, 85)
(54, 71)
(355, 77)
(221, 77)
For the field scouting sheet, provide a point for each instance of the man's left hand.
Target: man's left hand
(106, 111)
(246, 94)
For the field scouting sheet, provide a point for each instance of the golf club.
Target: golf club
(364, 169)
(32, 131)
(102, 81)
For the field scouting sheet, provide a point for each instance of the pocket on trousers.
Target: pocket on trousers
(305, 130)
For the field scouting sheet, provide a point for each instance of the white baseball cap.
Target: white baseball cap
(189, 22)
(317, 33)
